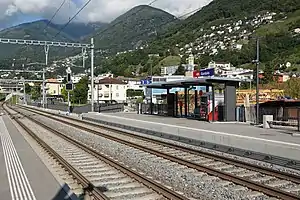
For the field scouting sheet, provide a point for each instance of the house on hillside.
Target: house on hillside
(109, 89)
(219, 65)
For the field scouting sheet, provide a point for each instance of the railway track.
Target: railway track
(270, 182)
(100, 175)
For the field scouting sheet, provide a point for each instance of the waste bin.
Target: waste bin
(71, 109)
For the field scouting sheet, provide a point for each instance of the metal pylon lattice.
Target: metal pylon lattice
(43, 43)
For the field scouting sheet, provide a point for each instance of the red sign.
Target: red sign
(196, 73)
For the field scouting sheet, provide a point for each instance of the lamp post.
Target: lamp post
(257, 80)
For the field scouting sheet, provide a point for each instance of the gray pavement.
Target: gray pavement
(4, 185)
(43, 184)
(242, 129)
(268, 141)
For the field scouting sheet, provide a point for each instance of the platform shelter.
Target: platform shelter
(204, 101)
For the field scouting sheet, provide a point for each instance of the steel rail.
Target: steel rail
(165, 191)
(87, 185)
(274, 192)
(268, 171)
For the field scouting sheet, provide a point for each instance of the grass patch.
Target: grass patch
(170, 61)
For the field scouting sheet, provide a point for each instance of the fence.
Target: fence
(110, 108)
(157, 109)
(287, 116)
(84, 108)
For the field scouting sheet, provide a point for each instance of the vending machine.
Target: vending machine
(206, 106)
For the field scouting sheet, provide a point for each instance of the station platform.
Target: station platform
(23, 176)
(268, 141)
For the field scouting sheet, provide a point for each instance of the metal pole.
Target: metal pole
(83, 57)
(97, 95)
(43, 88)
(257, 81)
(92, 74)
(68, 101)
(298, 115)
(16, 91)
(24, 93)
(151, 66)
(46, 48)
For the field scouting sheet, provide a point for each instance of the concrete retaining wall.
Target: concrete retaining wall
(272, 147)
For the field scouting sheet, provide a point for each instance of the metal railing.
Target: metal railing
(157, 109)
(285, 116)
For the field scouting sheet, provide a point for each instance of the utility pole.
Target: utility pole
(257, 81)
(92, 74)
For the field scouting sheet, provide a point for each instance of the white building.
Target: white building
(243, 74)
(101, 76)
(109, 89)
(132, 83)
(53, 87)
(219, 65)
(76, 78)
(168, 70)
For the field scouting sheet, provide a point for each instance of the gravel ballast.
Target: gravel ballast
(192, 183)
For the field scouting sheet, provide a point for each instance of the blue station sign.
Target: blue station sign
(207, 72)
(146, 82)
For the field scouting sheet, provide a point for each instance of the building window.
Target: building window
(117, 87)
(117, 94)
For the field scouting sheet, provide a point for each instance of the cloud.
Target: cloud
(97, 10)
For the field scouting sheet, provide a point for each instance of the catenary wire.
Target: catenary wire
(72, 18)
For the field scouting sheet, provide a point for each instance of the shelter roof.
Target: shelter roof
(203, 81)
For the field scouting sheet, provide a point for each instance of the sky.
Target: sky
(13, 12)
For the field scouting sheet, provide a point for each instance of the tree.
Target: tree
(268, 74)
(291, 88)
(134, 93)
(64, 93)
(27, 88)
(81, 91)
(180, 70)
(35, 92)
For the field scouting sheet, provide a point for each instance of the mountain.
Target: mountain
(28, 31)
(128, 31)
(79, 31)
(132, 29)
(225, 30)
(36, 31)
(221, 15)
